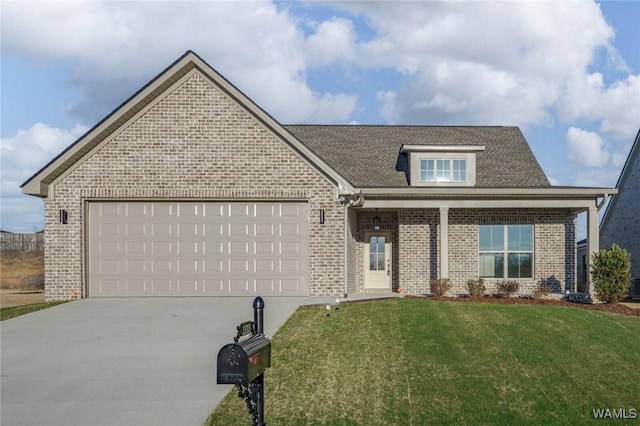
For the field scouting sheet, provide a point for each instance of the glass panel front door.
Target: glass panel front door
(377, 274)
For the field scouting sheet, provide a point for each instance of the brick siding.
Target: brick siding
(195, 144)
(418, 239)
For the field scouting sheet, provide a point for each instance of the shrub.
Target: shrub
(440, 286)
(507, 288)
(541, 290)
(611, 273)
(476, 288)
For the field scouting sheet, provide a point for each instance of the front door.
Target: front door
(377, 261)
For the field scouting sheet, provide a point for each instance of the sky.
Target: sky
(566, 72)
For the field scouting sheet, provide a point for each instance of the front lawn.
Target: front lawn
(408, 361)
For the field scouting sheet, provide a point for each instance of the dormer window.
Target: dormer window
(442, 165)
(443, 170)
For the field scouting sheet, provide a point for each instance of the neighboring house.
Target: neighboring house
(189, 188)
(621, 221)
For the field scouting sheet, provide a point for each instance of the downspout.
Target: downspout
(346, 249)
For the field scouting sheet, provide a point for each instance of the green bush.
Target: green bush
(440, 286)
(476, 288)
(507, 288)
(611, 273)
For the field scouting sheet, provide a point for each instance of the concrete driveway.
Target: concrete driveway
(146, 361)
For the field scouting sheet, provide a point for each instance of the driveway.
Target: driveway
(146, 361)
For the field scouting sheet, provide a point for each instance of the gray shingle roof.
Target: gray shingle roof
(369, 156)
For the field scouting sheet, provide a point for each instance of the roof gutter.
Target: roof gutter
(448, 192)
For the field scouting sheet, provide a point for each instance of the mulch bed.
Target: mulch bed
(616, 308)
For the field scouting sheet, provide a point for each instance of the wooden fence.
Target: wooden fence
(21, 242)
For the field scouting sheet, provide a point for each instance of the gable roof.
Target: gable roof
(370, 156)
(152, 92)
(633, 160)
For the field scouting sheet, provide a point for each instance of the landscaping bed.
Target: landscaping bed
(616, 308)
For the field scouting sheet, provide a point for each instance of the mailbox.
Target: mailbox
(242, 362)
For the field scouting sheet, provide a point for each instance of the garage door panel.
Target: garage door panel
(161, 229)
(211, 248)
(109, 230)
(137, 287)
(135, 266)
(289, 285)
(161, 211)
(289, 230)
(136, 229)
(239, 230)
(187, 286)
(162, 247)
(239, 285)
(264, 265)
(110, 248)
(136, 248)
(265, 285)
(161, 287)
(162, 266)
(213, 230)
(186, 248)
(239, 266)
(264, 230)
(110, 266)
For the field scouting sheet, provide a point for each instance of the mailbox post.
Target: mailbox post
(243, 362)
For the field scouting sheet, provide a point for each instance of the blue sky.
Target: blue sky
(566, 73)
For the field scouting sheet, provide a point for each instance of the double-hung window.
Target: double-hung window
(443, 170)
(505, 251)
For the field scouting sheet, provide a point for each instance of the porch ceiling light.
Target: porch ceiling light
(376, 222)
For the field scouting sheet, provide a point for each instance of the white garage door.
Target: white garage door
(197, 249)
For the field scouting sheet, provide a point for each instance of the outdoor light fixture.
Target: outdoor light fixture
(63, 217)
(376, 222)
(321, 216)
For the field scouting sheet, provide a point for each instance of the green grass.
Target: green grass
(16, 311)
(415, 362)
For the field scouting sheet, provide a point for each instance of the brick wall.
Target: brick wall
(554, 246)
(194, 144)
(419, 242)
(418, 238)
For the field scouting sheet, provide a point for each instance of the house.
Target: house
(621, 220)
(191, 189)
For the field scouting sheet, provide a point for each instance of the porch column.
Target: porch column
(593, 242)
(444, 242)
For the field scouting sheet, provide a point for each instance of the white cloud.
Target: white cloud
(498, 63)
(23, 155)
(586, 148)
(333, 40)
(616, 107)
(118, 46)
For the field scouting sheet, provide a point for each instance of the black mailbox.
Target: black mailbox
(241, 363)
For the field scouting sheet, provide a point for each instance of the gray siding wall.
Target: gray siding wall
(623, 222)
(195, 144)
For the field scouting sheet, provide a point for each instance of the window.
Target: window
(505, 250)
(443, 170)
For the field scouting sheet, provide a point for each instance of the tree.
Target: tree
(611, 274)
